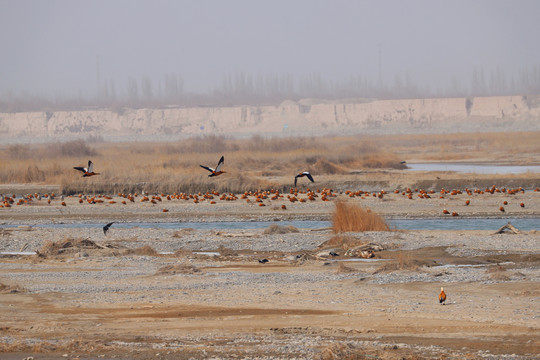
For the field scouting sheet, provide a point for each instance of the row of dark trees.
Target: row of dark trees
(248, 89)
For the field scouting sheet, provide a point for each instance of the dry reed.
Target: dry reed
(354, 218)
(174, 166)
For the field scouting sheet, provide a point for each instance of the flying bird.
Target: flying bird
(89, 171)
(305, 173)
(217, 171)
(442, 297)
(106, 227)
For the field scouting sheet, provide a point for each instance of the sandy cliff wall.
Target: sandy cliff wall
(512, 113)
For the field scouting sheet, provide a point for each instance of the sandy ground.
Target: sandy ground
(111, 300)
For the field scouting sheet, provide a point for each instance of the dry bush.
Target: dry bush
(183, 232)
(344, 269)
(145, 250)
(19, 151)
(323, 166)
(354, 218)
(66, 246)
(75, 148)
(178, 269)
(279, 229)
(183, 252)
(10, 289)
(225, 251)
(344, 242)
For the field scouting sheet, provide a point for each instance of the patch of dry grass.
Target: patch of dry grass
(145, 250)
(280, 229)
(174, 166)
(354, 218)
(10, 289)
(344, 269)
(183, 232)
(340, 241)
(66, 246)
(178, 269)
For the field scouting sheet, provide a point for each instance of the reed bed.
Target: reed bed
(354, 218)
(251, 164)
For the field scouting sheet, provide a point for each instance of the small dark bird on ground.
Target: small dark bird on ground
(442, 297)
(217, 171)
(263, 261)
(333, 253)
(106, 227)
(305, 173)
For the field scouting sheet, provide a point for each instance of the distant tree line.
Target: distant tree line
(270, 89)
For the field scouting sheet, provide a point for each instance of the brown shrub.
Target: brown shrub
(354, 218)
(66, 246)
(178, 269)
(33, 174)
(279, 229)
(344, 269)
(182, 232)
(145, 250)
(9, 289)
(344, 242)
(225, 251)
(323, 166)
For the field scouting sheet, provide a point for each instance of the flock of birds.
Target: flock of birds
(89, 171)
(218, 170)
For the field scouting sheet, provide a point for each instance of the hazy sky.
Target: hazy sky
(52, 47)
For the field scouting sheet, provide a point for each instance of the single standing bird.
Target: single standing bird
(217, 171)
(89, 171)
(442, 297)
(106, 227)
(305, 173)
(263, 261)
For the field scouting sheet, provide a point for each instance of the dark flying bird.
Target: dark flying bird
(305, 173)
(106, 227)
(217, 171)
(89, 171)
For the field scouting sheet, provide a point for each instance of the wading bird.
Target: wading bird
(442, 297)
(106, 227)
(217, 171)
(305, 173)
(89, 171)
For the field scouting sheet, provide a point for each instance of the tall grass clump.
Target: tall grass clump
(354, 218)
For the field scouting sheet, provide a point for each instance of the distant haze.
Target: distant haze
(69, 49)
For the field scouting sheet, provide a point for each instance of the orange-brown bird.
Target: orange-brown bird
(305, 173)
(89, 171)
(217, 171)
(442, 297)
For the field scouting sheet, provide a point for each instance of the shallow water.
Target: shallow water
(399, 224)
(474, 168)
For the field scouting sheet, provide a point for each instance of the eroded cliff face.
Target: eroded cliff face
(508, 113)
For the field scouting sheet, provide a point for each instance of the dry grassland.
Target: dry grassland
(251, 164)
